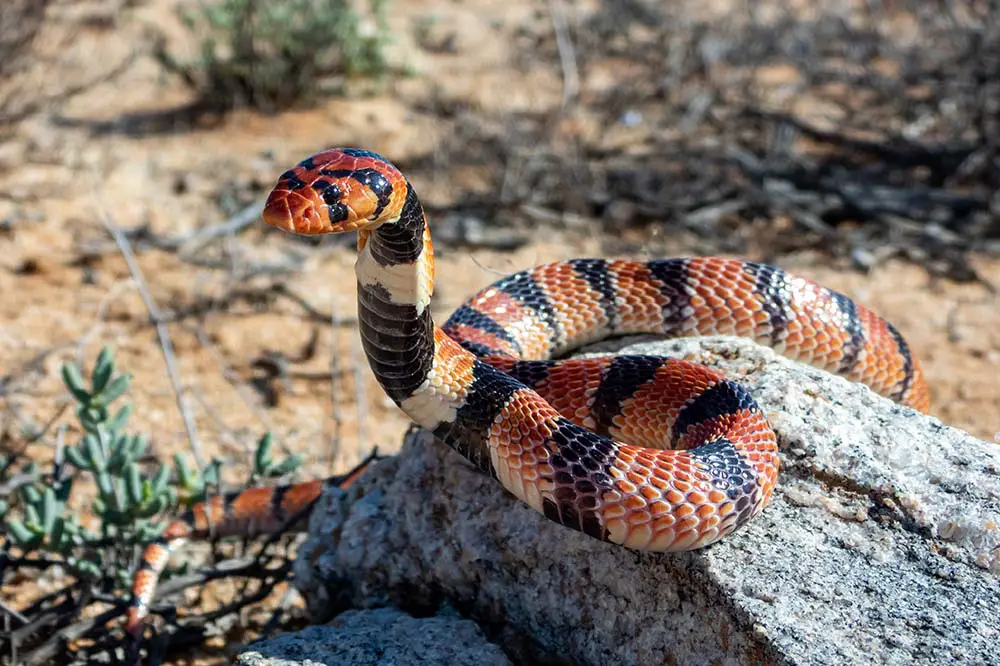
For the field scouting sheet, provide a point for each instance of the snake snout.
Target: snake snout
(289, 211)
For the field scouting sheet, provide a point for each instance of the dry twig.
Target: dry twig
(161, 331)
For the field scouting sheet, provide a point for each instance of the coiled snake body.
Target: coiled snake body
(649, 453)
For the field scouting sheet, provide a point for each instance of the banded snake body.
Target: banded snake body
(649, 453)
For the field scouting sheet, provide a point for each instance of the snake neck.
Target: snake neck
(395, 273)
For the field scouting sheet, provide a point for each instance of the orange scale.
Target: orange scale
(706, 510)
(637, 479)
(659, 508)
(697, 497)
(625, 457)
(687, 522)
(684, 540)
(726, 508)
(683, 511)
(664, 468)
(659, 483)
(626, 488)
(716, 496)
(663, 540)
(664, 523)
(707, 313)
(674, 497)
(464, 332)
(639, 536)
(634, 503)
(714, 301)
(613, 498)
(639, 518)
(682, 486)
(531, 475)
(710, 522)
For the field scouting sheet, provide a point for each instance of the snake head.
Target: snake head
(337, 190)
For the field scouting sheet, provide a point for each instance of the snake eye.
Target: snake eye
(329, 191)
(338, 212)
(331, 194)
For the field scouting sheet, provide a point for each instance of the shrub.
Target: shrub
(275, 54)
(136, 495)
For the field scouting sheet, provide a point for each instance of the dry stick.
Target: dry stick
(51, 647)
(12, 614)
(161, 331)
(250, 214)
(13, 645)
(567, 54)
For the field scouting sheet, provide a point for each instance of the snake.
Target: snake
(246, 513)
(642, 451)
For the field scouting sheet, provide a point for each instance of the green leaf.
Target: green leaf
(31, 495)
(92, 445)
(93, 415)
(22, 535)
(105, 484)
(262, 458)
(77, 458)
(120, 442)
(74, 382)
(121, 499)
(133, 483)
(159, 482)
(288, 464)
(84, 414)
(118, 422)
(32, 519)
(103, 369)
(115, 389)
(50, 510)
(138, 446)
(210, 475)
(87, 568)
(155, 506)
(57, 532)
(185, 476)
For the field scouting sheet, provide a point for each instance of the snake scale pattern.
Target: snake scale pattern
(641, 451)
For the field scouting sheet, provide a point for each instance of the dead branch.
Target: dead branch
(166, 346)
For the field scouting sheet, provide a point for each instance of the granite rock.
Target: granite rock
(881, 544)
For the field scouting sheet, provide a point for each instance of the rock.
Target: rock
(386, 636)
(880, 545)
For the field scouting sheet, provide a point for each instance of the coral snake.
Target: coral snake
(642, 451)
